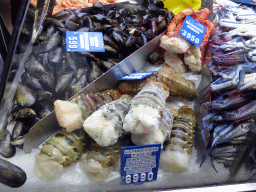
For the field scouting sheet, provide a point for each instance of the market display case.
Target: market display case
(168, 122)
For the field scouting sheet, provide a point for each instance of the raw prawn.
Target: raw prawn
(73, 4)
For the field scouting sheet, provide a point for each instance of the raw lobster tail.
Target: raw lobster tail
(81, 106)
(182, 135)
(68, 146)
(178, 147)
(98, 162)
(105, 125)
(153, 94)
(143, 119)
(178, 85)
(91, 102)
(146, 109)
(61, 150)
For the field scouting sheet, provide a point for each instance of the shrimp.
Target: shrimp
(73, 4)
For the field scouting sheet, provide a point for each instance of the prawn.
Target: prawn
(73, 4)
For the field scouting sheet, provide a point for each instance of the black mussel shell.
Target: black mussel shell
(153, 57)
(98, 7)
(6, 149)
(55, 22)
(25, 96)
(64, 82)
(159, 4)
(18, 129)
(71, 25)
(62, 15)
(11, 175)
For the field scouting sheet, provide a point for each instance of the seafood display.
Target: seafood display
(177, 150)
(143, 118)
(51, 73)
(162, 108)
(230, 122)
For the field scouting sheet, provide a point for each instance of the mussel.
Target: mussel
(11, 175)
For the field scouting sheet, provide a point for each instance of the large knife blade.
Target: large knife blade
(135, 62)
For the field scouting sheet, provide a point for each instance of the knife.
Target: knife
(49, 125)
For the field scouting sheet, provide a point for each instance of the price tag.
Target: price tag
(193, 31)
(243, 1)
(84, 41)
(122, 69)
(137, 75)
(140, 163)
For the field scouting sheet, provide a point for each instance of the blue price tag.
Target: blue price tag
(193, 31)
(243, 1)
(123, 69)
(140, 163)
(137, 75)
(84, 41)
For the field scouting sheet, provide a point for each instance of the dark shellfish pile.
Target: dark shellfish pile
(51, 73)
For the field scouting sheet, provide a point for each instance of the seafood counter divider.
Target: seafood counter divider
(74, 179)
